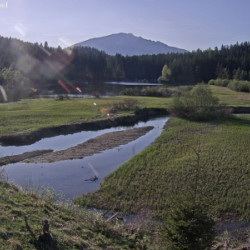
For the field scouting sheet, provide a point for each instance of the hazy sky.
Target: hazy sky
(188, 24)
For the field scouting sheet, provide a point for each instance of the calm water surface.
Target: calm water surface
(69, 177)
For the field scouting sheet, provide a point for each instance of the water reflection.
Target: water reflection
(69, 177)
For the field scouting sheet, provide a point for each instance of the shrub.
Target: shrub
(125, 105)
(198, 104)
(148, 91)
(189, 227)
(242, 86)
(237, 85)
(219, 82)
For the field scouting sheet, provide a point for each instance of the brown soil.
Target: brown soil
(92, 146)
(16, 158)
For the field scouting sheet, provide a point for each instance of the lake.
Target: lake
(102, 88)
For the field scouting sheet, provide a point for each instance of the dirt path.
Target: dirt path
(92, 146)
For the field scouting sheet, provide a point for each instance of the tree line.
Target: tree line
(41, 67)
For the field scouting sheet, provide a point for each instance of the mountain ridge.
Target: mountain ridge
(128, 44)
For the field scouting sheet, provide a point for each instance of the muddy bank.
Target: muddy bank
(16, 158)
(92, 146)
(29, 138)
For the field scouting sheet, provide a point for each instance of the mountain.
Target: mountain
(128, 44)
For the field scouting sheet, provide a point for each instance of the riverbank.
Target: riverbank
(128, 120)
(168, 169)
(30, 115)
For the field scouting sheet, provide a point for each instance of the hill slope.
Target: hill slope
(128, 44)
(22, 215)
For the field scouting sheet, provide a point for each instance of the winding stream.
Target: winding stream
(69, 177)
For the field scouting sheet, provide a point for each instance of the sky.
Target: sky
(187, 24)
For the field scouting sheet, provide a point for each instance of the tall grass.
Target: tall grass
(29, 115)
(166, 171)
(22, 213)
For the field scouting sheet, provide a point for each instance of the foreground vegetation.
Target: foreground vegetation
(209, 161)
(22, 215)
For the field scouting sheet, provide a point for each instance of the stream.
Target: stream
(71, 177)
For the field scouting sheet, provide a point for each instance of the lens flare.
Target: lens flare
(20, 29)
(78, 89)
(64, 86)
(93, 169)
(2, 90)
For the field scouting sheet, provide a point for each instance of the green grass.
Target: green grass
(31, 114)
(231, 97)
(21, 223)
(209, 162)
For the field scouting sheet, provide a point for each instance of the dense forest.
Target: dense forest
(26, 66)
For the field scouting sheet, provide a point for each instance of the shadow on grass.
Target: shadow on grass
(44, 242)
(237, 120)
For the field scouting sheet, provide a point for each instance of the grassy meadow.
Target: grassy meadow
(208, 161)
(205, 161)
(31, 114)
(230, 97)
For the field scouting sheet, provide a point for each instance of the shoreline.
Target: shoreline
(34, 136)
(88, 148)
(92, 146)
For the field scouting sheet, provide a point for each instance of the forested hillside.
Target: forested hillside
(41, 67)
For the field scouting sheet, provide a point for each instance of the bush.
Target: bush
(241, 86)
(198, 104)
(148, 91)
(219, 82)
(189, 227)
(125, 105)
(237, 85)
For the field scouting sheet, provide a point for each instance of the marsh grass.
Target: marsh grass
(31, 114)
(165, 172)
